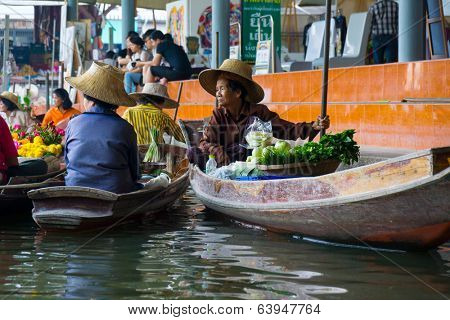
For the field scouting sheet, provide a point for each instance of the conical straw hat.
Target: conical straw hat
(11, 97)
(234, 70)
(103, 82)
(156, 90)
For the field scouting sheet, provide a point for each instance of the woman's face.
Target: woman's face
(226, 97)
(134, 47)
(2, 106)
(57, 100)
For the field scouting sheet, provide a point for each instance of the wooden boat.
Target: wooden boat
(81, 208)
(13, 196)
(400, 203)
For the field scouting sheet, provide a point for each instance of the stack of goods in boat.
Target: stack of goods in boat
(275, 158)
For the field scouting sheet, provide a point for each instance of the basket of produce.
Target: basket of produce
(310, 159)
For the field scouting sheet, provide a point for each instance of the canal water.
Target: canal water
(192, 253)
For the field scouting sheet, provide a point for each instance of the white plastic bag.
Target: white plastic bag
(259, 133)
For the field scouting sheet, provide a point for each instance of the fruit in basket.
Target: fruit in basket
(257, 152)
(257, 138)
(283, 146)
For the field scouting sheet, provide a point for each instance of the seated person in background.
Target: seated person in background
(148, 43)
(148, 114)
(9, 104)
(133, 76)
(180, 67)
(238, 97)
(125, 54)
(62, 109)
(101, 148)
(109, 58)
(9, 164)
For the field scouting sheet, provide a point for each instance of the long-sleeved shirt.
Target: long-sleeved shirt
(21, 118)
(224, 135)
(101, 152)
(145, 117)
(384, 17)
(7, 149)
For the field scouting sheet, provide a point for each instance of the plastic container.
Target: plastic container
(211, 165)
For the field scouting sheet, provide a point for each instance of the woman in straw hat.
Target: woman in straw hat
(9, 104)
(238, 97)
(101, 148)
(148, 114)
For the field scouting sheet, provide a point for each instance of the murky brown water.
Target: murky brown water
(192, 253)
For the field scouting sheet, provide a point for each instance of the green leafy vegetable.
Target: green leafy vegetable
(153, 154)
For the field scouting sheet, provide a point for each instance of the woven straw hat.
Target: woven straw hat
(234, 70)
(156, 90)
(11, 97)
(103, 82)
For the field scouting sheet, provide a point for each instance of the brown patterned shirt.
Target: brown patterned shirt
(224, 136)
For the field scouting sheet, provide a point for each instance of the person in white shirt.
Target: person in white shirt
(133, 76)
(9, 105)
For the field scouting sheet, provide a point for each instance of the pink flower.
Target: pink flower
(22, 134)
(16, 144)
(59, 131)
(17, 127)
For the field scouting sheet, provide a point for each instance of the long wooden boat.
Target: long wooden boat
(85, 208)
(400, 203)
(13, 196)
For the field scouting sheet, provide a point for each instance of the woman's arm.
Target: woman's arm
(155, 62)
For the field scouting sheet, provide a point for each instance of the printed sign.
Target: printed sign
(263, 57)
(252, 10)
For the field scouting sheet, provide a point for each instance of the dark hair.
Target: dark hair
(147, 34)
(9, 105)
(109, 55)
(132, 33)
(64, 96)
(168, 37)
(235, 86)
(123, 53)
(157, 34)
(100, 103)
(137, 40)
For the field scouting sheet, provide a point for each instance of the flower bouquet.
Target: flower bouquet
(39, 143)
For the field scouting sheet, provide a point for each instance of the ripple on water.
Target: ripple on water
(190, 253)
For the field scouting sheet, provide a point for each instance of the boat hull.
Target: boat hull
(80, 208)
(393, 204)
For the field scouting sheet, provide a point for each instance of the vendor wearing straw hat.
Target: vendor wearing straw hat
(101, 148)
(148, 114)
(9, 104)
(238, 97)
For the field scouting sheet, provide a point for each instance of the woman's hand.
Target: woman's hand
(321, 123)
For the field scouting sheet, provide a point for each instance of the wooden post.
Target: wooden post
(47, 92)
(326, 64)
(5, 53)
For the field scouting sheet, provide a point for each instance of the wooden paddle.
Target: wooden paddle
(326, 62)
(169, 156)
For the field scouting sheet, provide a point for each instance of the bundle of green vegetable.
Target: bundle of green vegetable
(153, 154)
(340, 146)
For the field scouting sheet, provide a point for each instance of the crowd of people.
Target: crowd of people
(150, 58)
(101, 147)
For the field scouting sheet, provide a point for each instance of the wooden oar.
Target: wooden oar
(169, 156)
(326, 62)
(180, 89)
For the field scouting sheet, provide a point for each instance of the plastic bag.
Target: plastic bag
(259, 133)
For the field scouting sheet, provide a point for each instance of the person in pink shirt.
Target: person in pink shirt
(9, 163)
(8, 151)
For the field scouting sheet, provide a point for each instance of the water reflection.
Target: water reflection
(192, 253)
